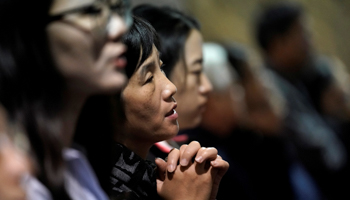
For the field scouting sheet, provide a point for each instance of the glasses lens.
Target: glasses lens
(123, 9)
(106, 9)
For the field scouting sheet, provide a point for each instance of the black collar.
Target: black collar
(132, 175)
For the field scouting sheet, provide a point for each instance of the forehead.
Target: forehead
(153, 52)
(59, 6)
(193, 45)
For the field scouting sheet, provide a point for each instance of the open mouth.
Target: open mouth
(173, 111)
(120, 61)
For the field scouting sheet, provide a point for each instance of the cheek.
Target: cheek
(187, 104)
(71, 49)
(188, 94)
(141, 108)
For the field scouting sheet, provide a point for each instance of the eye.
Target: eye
(197, 72)
(93, 10)
(117, 6)
(150, 79)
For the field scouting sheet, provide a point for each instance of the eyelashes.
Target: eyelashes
(150, 79)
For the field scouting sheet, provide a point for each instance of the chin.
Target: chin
(171, 133)
(191, 124)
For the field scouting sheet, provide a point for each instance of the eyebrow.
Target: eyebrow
(196, 62)
(146, 68)
(199, 60)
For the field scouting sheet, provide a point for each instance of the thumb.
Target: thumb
(216, 183)
(161, 168)
(159, 186)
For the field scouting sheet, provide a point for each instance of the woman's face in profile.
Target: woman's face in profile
(148, 103)
(86, 47)
(193, 85)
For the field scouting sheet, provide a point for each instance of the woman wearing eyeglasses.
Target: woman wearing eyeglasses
(53, 55)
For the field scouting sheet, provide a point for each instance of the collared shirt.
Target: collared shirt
(79, 180)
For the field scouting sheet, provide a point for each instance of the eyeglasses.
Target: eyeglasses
(97, 16)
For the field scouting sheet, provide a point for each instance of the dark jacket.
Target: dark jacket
(132, 177)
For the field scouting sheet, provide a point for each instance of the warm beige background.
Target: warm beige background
(232, 20)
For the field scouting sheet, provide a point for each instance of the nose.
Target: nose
(169, 89)
(205, 87)
(116, 27)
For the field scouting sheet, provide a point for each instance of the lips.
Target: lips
(172, 111)
(120, 62)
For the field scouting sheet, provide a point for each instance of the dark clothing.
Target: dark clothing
(316, 143)
(132, 177)
(318, 146)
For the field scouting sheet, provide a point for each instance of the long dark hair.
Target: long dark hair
(173, 28)
(30, 86)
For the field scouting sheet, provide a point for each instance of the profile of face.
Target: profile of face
(148, 102)
(84, 38)
(193, 85)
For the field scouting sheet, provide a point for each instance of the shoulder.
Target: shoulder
(35, 189)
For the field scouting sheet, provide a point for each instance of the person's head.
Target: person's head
(226, 106)
(53, 45)
(14, 162)
(147, 99)
(283, 35)
(84, 39)
(265, 106)
(181, 53)
(328, 86)
(49, 49)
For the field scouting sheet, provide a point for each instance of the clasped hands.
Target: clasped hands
(191, 172)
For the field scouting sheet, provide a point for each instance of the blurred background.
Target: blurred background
(291, 135)
(233, 20)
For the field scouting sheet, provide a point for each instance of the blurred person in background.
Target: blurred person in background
(54, 55)
(284, 37)
(258, 156)
(15, 163)
(327, 81)
(265, 105)
(267, 110)
(328, 85)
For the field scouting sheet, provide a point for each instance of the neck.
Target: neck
(69, 116)
(138, 146)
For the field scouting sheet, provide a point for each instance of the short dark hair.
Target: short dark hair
(140, 38)
(276, 20)
(173, 28)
